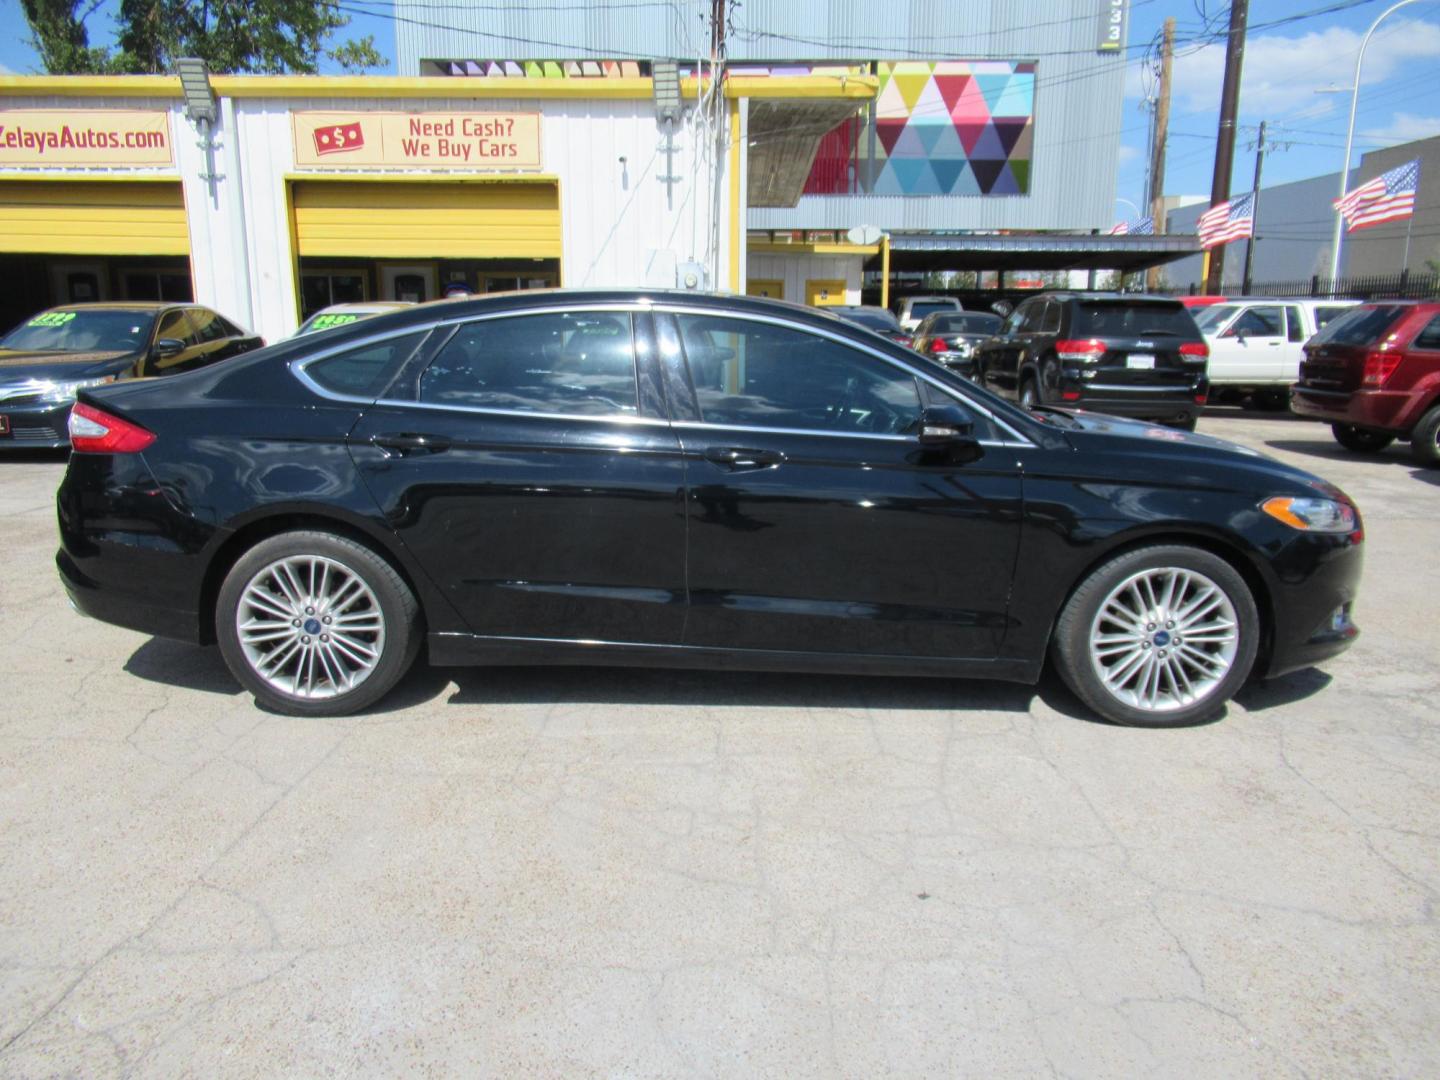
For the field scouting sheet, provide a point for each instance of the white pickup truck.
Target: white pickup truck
(1256, 345)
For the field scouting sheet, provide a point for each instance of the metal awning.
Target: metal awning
(1033, 251)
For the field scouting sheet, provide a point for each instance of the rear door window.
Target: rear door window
(1323, 315)
(1360, 326)
(1429, 338)
(1294, 326)
(1110, 318)
(1258, 322)
(573, 363)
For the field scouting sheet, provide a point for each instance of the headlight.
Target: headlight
(65, 391)
(1311, 515)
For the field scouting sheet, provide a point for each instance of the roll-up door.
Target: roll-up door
(78, 217)
(399, 220)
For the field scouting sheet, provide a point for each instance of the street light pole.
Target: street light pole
(1350, 138)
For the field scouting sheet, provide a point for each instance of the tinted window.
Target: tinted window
(1258, 322)
(573, 362)
(760, 375)
(1032, 317)
(210, 326)
(82, 331)
(967, 322)
(1323, 315)
(1360, 326)
(366, 371)
(1106, 318)
(1429, 338)
(1294, 328)
(919, 311)
(1050, 323)
(1211, 318)
(176, 326)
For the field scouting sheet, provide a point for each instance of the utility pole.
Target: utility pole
(1157, 150)
(1225, 137)
(1254, 208)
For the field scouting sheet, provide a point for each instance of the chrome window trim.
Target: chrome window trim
(707, 426)
(608, 418)
(681, 309)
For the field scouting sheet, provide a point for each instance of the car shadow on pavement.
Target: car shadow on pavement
(28, 454)
(1397, 455)
(186, 667)
(1284, 689)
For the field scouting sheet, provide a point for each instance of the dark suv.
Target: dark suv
(1374, 373)
(1140, 356)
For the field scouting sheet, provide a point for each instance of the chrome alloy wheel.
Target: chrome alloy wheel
(1164, 639)
(310, 627)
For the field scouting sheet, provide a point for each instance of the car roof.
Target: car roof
(362, 306)
(929, 299)
(1097, 294)
(125, 305)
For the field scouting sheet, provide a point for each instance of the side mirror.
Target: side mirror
(945, 429)
(167, 347)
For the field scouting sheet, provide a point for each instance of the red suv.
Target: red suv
(1374, 373)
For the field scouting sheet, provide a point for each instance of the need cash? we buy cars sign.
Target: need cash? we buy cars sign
(452, 140)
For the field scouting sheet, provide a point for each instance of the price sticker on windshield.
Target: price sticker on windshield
(52, 318)
(325, 322)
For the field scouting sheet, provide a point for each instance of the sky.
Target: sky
(1284, 66)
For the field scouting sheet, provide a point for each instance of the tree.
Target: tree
(264, 36)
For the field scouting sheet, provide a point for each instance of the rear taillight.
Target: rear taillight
(1080, 350)
(1069, 395)
(1379, 366)
(1195, 348)
(93, 431)
(937, 345)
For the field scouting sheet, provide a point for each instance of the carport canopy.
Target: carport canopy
(1033, 251)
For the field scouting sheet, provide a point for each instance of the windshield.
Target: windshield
(82, 331)
(872, 320)
(920, 310)
(1129, 319)
(1359, 326)
(1210, 319)
(969, 322)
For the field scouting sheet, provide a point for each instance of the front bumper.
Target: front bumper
(36, 426)
(1318, 579)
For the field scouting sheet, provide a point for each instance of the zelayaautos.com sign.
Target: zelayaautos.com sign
(115, 138)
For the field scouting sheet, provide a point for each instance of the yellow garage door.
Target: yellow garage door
(383, 220)
(77, 217)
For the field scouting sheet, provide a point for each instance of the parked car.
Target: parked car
(345, 314)
(911, 309)
(50, 356)
(1193, 302)
(1256, 344)
(950, 337)
(1374, 373)
(1127, 355)
(879, 319)
(686, 480)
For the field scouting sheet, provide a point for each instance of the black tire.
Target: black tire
(393, 604)
(1359, 440)
(1071, 644)
(1029, 395)
(1272, 400)
(1425, 439)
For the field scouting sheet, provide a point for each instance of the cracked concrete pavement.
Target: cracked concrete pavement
(587, 872)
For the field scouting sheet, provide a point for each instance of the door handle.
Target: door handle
(739, 457)
(408, 442)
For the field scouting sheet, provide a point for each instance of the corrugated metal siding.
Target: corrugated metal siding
(1078, 94)
(796, 270)
(104, 218)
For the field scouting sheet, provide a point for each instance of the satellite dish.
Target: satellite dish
(863, 235)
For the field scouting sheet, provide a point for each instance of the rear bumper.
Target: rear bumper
(129, 610)
(36, 427)
(1383, 410)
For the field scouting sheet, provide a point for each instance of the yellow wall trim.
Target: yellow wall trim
(93, 219)
(757, 247)
(737, 210)
(386, 86)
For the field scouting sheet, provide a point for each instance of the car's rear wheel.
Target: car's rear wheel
(1359, 440)
(1161, 636)
(1029, 392)
(315, 624)
(1425, 439)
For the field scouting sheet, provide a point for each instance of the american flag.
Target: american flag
(1144, 226)
(1229, 221)
(1388, 197)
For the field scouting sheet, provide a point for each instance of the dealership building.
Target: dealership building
(803, 170)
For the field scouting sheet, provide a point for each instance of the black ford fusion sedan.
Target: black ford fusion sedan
(661, 479)
(48, 358)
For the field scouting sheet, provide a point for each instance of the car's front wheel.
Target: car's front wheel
(1359, 440)
(315, 624)
(1161, 636)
